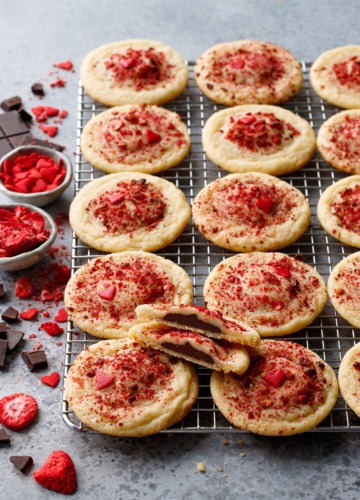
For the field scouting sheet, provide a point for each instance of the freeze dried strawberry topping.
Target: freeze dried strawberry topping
(346, 208)
(276, 385)
(245, 67)
(348, 73)
(348, 286)
(140, 134)
(142, 69)
(139, 375)
(254, 205)
(137, 281)
(130, 206)
(255, 291)
(345, 139)
(21, 231)
(259, 132)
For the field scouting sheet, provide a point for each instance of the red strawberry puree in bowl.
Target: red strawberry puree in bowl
(26, 234)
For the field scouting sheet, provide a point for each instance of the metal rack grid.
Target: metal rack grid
(329, 336)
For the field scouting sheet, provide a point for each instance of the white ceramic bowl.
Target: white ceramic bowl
(27, 259)
(46, 197)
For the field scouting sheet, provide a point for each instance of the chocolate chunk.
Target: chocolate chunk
(3, 330)
(191, 320)
(37, 89)
(34, 141)
(188, 350)
(3, 351)
(10, 314)
(25, 116)
(22, 462)
(11, 104)
(2, 291)
(4, 437)
(12, 131)
(35, 360)
(13, 338)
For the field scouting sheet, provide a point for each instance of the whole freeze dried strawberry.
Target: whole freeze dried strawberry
(24, 288)
(18, 411)
(57, 473)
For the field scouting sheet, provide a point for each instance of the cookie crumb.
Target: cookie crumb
(201, 467)
(242, 454)
(219, 468)
(225, 442)
(240, 442)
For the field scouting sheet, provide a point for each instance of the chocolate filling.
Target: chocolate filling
(191, 320)
(189, 350)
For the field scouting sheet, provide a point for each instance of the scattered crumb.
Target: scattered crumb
(219, 468)
(225, 442)
(225, 475)
(240, 442)
(201, 467)
(242, 454)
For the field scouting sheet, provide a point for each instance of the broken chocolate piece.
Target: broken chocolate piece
(3, 330)
(13, 338)
(25, 116)
(10, 314)
(34, 360)
(22, 462)
(37, 89)
(2, 291)
(34, 141)
(11, 104)
(3, 351)
(4, 437)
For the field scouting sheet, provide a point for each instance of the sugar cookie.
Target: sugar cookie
(349, 378)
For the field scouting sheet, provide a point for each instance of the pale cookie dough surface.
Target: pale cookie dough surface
(129, 211)
(117, 387)
(192, 346)
(339, 210)
(248, 71)
(335, 76)
(134, 72)
(287, 390)
(251, 212)
(349, 378)
(258, 138)
(202, 320)
(338, 141)
(102, 295)
(274, 293)
(344, 288)
(135, 138)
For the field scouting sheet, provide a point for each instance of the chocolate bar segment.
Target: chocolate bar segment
(12, 131)
(12, 103)
(3, 330)
(2, 291)
(4, 437)
(34, 141)
(22, 462)
(37, 89)
(3, 351)
(34, 360)
(13, 337)
(10, 314)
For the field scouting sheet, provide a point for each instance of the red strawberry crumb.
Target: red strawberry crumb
(62, 316)
(38, 347)
(24, 288)
(32, 336)
(46, 295)
(152, 137)
(265, 204)
(102, 380)
(59, 82)
(46, 314)
(52, 380)
(52, 329)
(29, 314)
(67, 65)
(283, 272)
(50, 130)
(18, 411)
(57, 473)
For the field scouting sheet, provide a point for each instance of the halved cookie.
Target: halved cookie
(192, 346)
(287, 389)
(118, 387)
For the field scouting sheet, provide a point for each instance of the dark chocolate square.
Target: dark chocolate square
(10, 314)
(13, 338)
(22, 462)
(3, 351)
(3, 330)
(4, 437)
(5, 147)
(12, 103)
(34, 360)
(12, 124)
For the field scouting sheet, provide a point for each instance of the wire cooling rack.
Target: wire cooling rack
(329, 336)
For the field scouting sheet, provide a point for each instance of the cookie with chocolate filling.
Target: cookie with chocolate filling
(192, 346)
(344, 288)
(129, 211)
(338, 141)
(248, 71)
(274, 293)
(335, 76)
(102, 295)
(251, 212)
(118, 387)
(349, 378)
(287, 389)
(338, 210)
(134, 72)
(201, 320)
(258, 138)
(135, 138)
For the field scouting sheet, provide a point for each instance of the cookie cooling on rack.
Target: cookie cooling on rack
(349, 379)
(247, 72)
(274, 293)
(118, 387)
(287, 390)
(134, 72)
(137, 138)
(102, 295)
(251, 212)
(335, 76)
(129, 211)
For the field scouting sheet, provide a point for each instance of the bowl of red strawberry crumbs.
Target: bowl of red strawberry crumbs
(35, 175)
(26, 235)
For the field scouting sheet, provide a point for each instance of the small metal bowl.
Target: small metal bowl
(27, 259)
(45, 197)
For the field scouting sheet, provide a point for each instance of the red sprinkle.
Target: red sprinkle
(275, 378)
(265, 204)
(58, 83)
(108, 293)
(102, 380)
(29, 314)
(62, 316)
(50, 130)
(52, 380)
(52, 329)
(68, 65)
